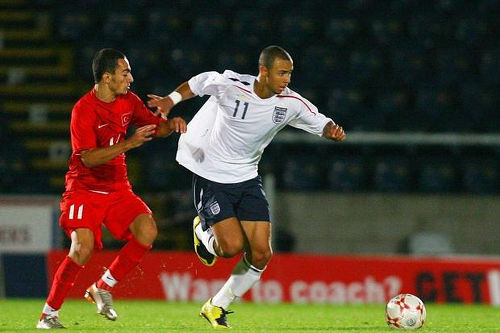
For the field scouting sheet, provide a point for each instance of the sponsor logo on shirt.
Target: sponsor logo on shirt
(279, 114)
(126, 118)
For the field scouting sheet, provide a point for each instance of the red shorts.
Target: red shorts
(86, 209)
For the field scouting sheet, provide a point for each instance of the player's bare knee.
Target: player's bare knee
(147, 233)
(261, 258)
(81, 253)
(144, 229)
(230, 249)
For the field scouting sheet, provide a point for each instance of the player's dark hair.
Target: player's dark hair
(270, 53)
(105, 60)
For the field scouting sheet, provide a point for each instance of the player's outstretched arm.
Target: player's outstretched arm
(333, 132)
(163, 105)
(97, 156)
(176, 124)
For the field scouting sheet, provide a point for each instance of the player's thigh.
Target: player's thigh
(259, 250)
(229, 233)
(125, 207)
(82, 244)
(258, 234)
(83, 210)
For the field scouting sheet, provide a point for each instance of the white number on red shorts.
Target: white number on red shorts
(72, 212)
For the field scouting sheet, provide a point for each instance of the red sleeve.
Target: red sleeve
(142, 115)
(83, 120)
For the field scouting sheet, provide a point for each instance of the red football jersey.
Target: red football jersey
(97, 124)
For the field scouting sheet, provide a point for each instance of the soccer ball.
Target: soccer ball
(406, 312)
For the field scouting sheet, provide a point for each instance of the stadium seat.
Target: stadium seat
(162, 172)
(236, 57)
(434, 109)
(252, 28)
(163, 26)
(18, 174)
(119, 26)
(392, 108)
(473, 32)
(488, 7)
(187, 60)
(208, 29)
(343, 31)
(13, 166)
(480, 105)
(270, 3)
(408, 8)
(298, 29)
(364, 7)
(347, 174)
(74, 26)
(392, 174)
(456, 8)
(347, 106)
(430, 30)
(490, 66)
(386, 31)
(332, 63)
(410, 65)
(367, 67)
(481, 175)
(157, 172)
(302, 172)
(145, 60)
(453, 65)
(437, 175)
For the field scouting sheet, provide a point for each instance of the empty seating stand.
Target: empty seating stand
(397, 67)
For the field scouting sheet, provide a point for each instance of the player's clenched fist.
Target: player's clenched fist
(334, 132)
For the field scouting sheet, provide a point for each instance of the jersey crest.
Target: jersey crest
(215, 208)
(126, 118)
(279, 114)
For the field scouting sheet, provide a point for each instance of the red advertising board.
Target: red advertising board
(303, 278)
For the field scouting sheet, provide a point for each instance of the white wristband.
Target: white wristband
(175, 96)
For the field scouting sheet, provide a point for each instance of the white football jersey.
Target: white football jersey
(226, 138)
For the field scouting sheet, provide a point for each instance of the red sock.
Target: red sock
(64, 279)
(130, 256)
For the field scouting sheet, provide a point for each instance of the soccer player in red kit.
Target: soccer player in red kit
(97, 187)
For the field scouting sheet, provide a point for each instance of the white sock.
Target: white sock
(206, 237)
(109, 279)
(50, 311)
(210, 245)
(243, 277)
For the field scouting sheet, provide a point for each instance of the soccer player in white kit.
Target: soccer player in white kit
(222, 147)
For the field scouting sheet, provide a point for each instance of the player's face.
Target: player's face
(279, 75)
(121, 78)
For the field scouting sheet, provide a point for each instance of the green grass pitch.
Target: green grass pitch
(21, 315)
